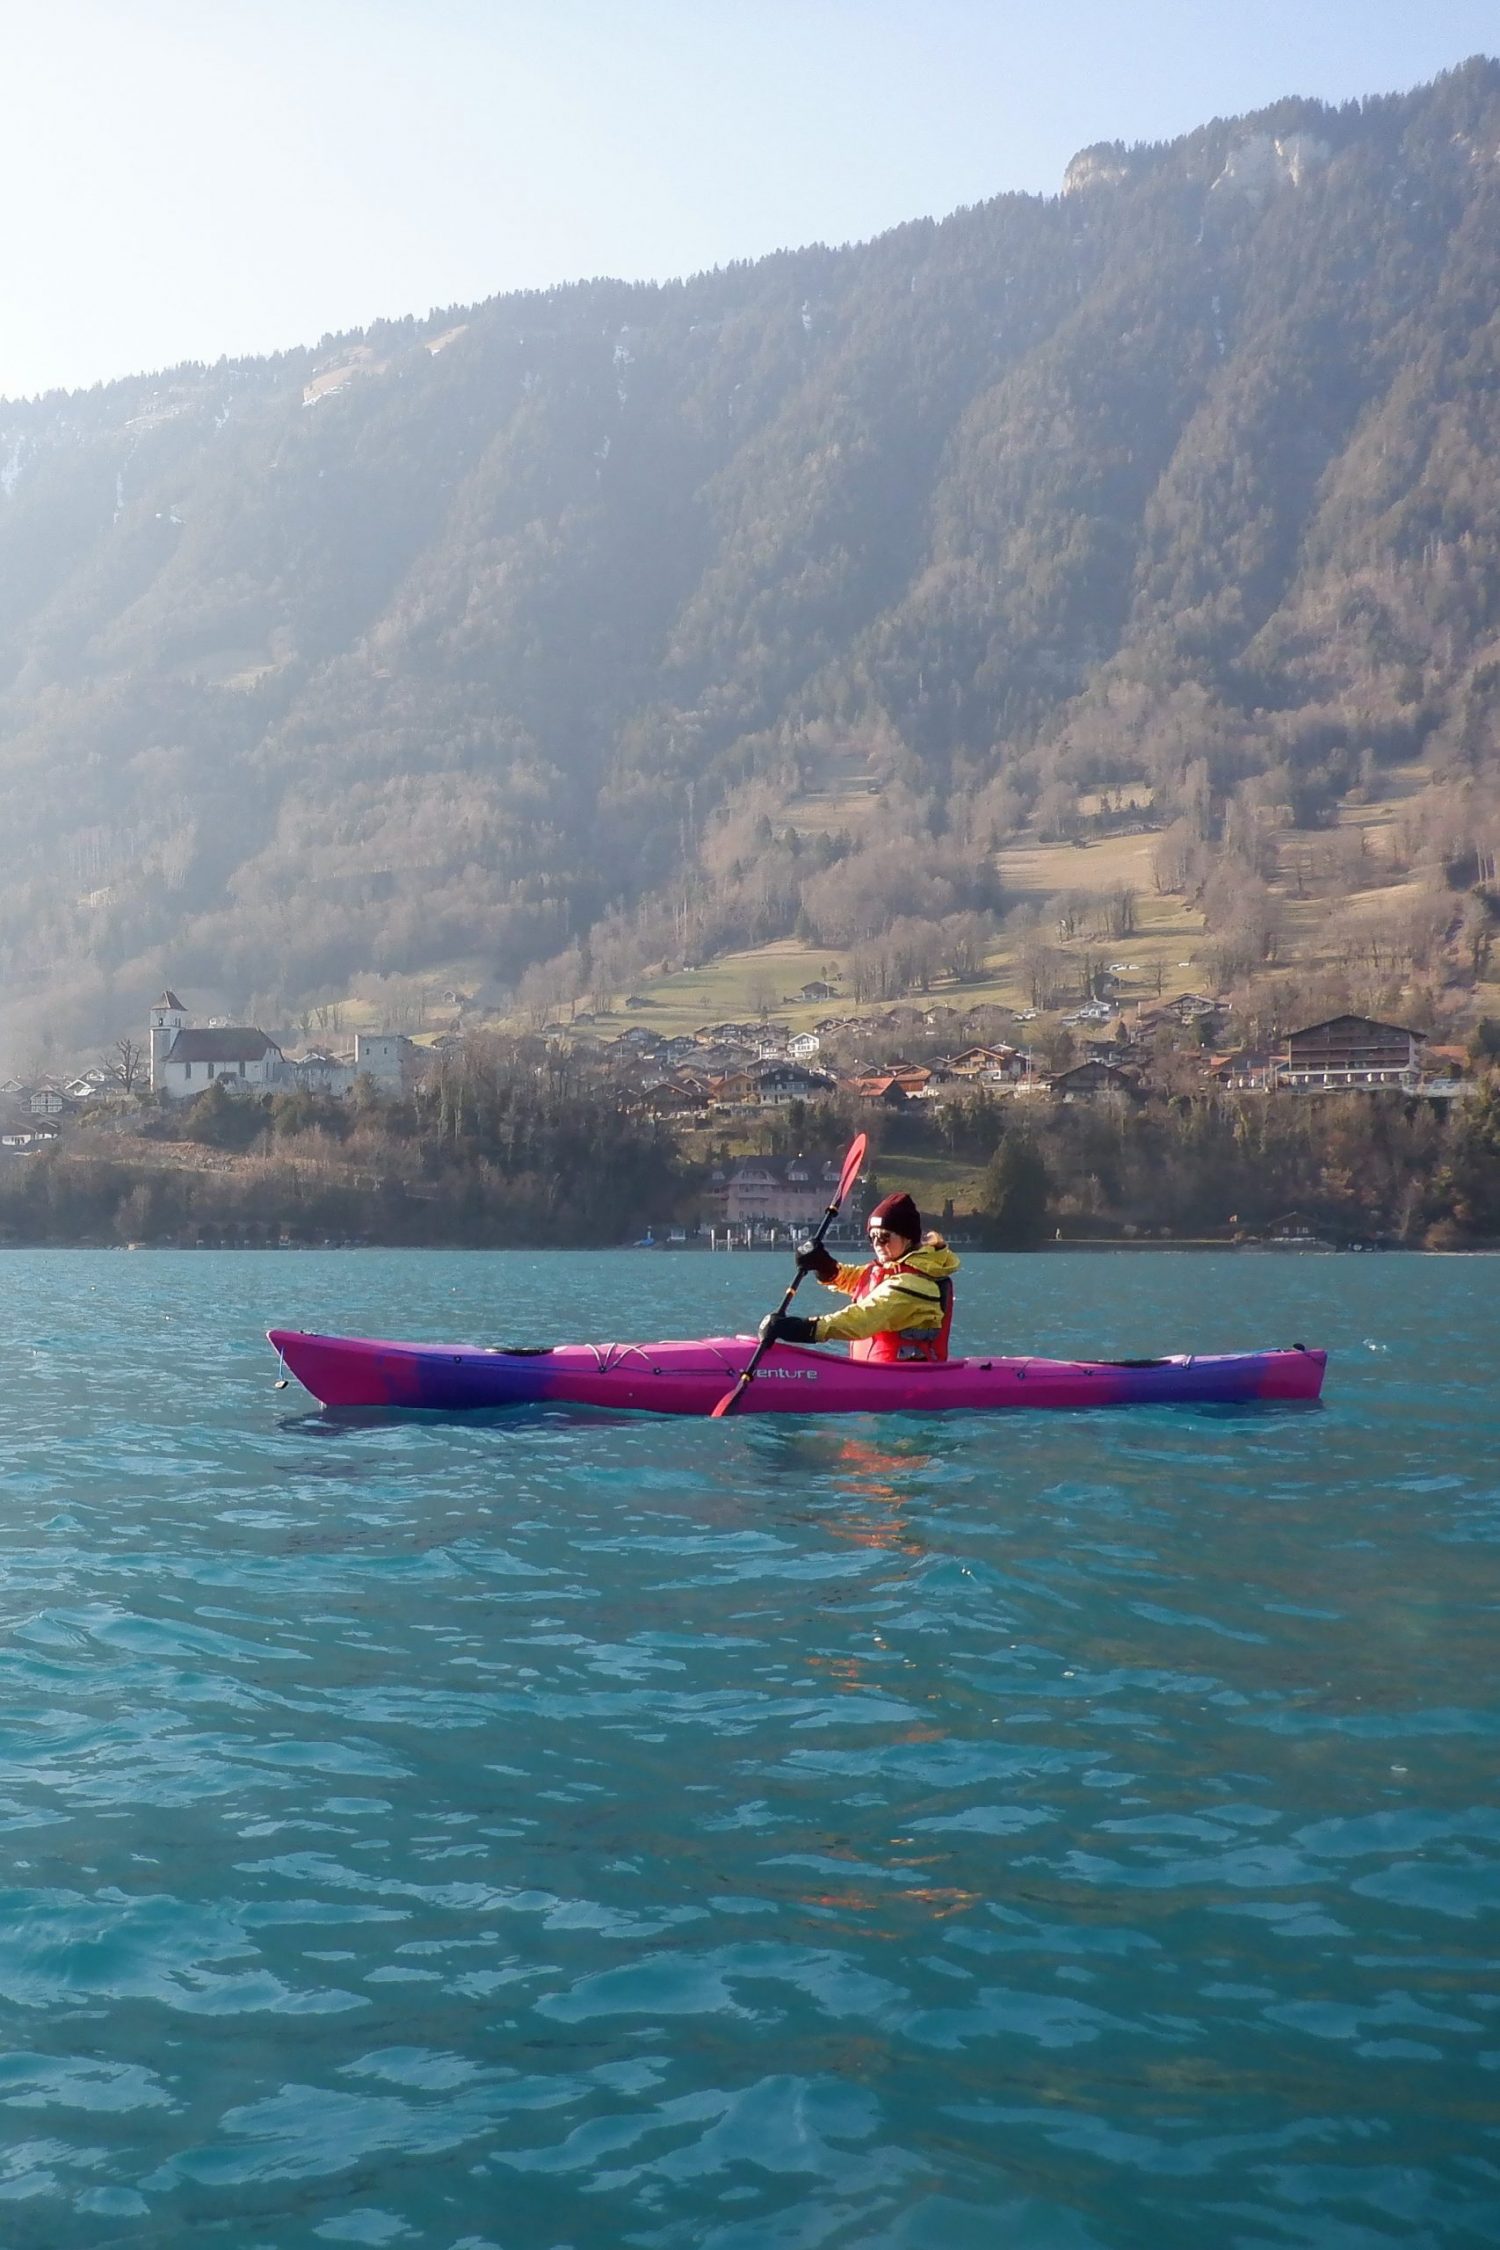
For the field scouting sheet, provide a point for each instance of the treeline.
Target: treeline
(1347, 1168)
(506, 1147)
(494, 1152)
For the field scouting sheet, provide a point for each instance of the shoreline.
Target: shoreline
(1091, 1246)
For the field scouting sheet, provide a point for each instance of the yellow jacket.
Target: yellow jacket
(908, 1298)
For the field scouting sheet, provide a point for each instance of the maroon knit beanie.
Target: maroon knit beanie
(900, 1214)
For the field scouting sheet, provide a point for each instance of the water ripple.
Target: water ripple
(1069, 1832)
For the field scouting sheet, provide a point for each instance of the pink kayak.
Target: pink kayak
(690, 1378)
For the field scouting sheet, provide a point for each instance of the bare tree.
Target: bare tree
(1476, 935)
(538, 990)
(966, 940)
(916, 953)
(1058, 818)
(1119, 912)
(1172, 858)
(129, 1059)
(1044, 970)
(762, 993)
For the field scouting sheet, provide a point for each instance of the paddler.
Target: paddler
(901, 1303)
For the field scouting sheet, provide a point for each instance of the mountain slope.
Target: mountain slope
(447, 639)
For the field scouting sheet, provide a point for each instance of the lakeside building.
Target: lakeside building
(777, 1190)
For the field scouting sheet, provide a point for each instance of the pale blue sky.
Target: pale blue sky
(185, 178)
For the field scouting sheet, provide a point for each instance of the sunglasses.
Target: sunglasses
(884, 1234)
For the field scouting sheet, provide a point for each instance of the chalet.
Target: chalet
(816, 990)
(968, 1062)
(722, 1057)
(1350, 1052)
(883, 1088)
(1114, 1046)
(1086, 1079)
(780, 1082)
(736, 1089)
(671, 1097)
(803, 1045)
(988, 1064)
(1010, 1069)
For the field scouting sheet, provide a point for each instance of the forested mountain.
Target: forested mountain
(512, 628)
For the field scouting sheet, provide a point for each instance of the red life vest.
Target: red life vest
(906, 1343)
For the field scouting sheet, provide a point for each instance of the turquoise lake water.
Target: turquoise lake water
(550, 1832)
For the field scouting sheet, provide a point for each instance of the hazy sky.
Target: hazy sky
(185, 178)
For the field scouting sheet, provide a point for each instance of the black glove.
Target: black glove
(787, 1328)
(814, 1259)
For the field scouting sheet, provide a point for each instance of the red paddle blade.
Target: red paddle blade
(853, 1164)
(726, 1402)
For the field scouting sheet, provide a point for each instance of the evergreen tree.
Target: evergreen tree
(1016, 1194)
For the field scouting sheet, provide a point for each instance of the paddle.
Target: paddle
(847, 1178)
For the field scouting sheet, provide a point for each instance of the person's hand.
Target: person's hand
(787, 1328)
(814, 1259)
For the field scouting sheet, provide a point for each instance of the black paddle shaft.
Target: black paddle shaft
(852, 1162)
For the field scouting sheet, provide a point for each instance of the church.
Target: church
(184, 1060)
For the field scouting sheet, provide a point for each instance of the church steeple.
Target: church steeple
(168, 1017)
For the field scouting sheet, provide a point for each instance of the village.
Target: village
(743, 1095)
